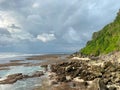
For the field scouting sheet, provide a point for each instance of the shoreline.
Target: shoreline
(14, 77)
(70, 73)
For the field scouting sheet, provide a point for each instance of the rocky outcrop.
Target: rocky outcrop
(113, 56)
(108, 73)
(10, 79)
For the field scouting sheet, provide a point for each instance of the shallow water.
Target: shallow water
(25, 84)
(20, 69)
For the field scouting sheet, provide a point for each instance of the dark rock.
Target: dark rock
(102, 85)
(54, 82)
(68, 68)
(19, 76)
(45, 66)
(108, 72)
(61, 78)
(76, 73)
(12, 78)
(38, 74)
(112, 88)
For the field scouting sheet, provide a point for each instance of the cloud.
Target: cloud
(34, 19)
(5, 37)
(11, 32)
(71, 35)
(61, 24)
(4, 31)
(20, 35)
(13, 26)
(35, 5)
(46, 37)
(10, 37)
(1, 1)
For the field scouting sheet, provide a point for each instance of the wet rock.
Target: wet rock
(45, 66)
(38, 74)
(10, 79)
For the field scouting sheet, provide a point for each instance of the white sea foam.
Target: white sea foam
(5, 87)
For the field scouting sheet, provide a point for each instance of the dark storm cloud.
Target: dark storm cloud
(59, 23)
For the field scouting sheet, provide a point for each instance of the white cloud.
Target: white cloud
(35, 5)
(45, 37)
(7, 19)
(11, 31)
(12, 36)
(21, 35)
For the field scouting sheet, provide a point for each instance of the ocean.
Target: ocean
(26, 84)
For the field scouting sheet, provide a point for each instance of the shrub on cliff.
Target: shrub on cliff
(104, 41)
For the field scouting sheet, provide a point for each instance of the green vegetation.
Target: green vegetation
(104, 41)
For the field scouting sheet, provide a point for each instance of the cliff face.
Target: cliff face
(104, 41)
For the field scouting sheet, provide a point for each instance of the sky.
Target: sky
(46, 26)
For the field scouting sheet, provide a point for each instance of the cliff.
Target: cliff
(104, 41)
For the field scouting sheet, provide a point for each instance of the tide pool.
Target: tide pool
(24, 84)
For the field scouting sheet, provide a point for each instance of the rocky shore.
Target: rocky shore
(63, 73)
(101, 73)
(107, 75)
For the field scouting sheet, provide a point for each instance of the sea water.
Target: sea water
(25, 84)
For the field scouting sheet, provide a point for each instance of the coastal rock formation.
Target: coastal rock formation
(113, 56)
(10, 79)
(108, 74)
